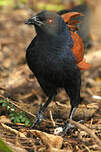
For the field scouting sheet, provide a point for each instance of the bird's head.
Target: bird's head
(48, 23)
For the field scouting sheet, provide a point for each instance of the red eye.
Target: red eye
(50, 21)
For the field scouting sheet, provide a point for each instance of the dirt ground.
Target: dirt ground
(19, 85)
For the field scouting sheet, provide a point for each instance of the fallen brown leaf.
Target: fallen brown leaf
(48, 139)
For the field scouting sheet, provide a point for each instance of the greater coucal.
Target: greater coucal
(52, 58)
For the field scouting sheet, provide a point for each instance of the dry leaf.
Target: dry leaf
(4, 119)
(48, 139)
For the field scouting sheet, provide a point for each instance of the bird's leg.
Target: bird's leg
(39, 115)
(73, 109)
(68, 125)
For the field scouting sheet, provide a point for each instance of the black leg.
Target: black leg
(39, 116)
(74, 95)
(73, 109)
(68, 125)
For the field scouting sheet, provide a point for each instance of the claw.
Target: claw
(38, 119)
(66, 128)
(39, 116)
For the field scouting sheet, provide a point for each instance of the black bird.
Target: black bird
(50, 58)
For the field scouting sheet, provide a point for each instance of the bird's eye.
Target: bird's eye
(50, 21)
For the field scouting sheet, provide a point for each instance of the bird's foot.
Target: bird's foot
(67, 127)
(38, 119)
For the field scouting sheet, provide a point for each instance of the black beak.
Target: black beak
(33, 21)
(28, 22)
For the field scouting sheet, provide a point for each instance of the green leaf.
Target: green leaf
(12, 114)
(21, 116)
(27, 122)
(20, 113)
(1, 101)
(17, 119)
(12, 118)
(8, 107)
(23, 119)
(4, 104)
(7, 100)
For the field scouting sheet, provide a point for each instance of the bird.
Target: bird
(51, 57)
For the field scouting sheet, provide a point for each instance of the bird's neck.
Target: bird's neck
(58, 40)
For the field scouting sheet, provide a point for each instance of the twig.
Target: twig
(51, 117)
(13, 130)
(91, 122)
(89, 131)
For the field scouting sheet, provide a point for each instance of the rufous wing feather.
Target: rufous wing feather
(78, 47)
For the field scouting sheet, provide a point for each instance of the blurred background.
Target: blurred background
(16, 80)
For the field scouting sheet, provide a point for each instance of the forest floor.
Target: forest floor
(19, 86)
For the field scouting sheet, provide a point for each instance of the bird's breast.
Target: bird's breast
(46, 59)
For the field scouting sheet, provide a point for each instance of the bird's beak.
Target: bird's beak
(33, 21)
